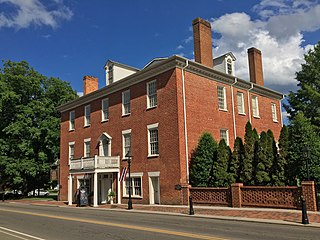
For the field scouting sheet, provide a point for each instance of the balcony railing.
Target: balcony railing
(96, 162)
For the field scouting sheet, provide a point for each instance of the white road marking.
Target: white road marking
(6, 230)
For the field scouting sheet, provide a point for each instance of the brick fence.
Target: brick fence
(256, 196)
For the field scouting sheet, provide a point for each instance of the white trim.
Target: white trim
(153, 174)
(155, 125)
(126, 131)
(87, 140)
(281, 113)
(136, 174)
(132, 175)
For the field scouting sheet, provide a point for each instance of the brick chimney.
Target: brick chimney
(90, 84)
(202, 39)
(255, 66)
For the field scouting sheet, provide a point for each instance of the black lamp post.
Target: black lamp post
(128, 159)
(306, 153)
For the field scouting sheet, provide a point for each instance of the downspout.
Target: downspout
(249, 101)
(185, 120)
(281, 110)
(233, 110)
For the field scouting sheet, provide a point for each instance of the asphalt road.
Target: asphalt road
(20, 221)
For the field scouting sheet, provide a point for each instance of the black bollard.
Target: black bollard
(3, 197)
(305, 219)
(191, 212)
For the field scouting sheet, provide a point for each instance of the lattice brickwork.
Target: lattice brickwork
(281, 197)
(211, 196)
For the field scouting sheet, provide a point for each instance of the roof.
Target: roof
(120, 65)
(227, 54)
(172, 62)
(155, 61)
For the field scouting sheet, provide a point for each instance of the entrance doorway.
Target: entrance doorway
(105, 187)
(154, 190)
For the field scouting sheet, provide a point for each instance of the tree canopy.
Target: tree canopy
(29, 124)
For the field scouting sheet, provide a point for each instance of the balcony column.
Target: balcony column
(70, 189)
(95, 190)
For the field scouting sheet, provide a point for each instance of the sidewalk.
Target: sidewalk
(278, 216)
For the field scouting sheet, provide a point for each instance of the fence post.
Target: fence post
(308, 191)
(236, 195)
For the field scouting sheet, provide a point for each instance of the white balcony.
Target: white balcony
(96, 162)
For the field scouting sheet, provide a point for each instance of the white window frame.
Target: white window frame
(69, 154)
(152, 100)
(229, 63)
(124, 104)
(87, 117)
(274, 112)
(226, 131)
(150, 128)
(255, 107)
(133, 192)
(240, 104)
(72, 120)
(124, 133)
(222, 99)
(85, 143)
(105, 109)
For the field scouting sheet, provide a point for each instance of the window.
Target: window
(255, 107)
(126, 141)
(229, 66)
(126, 102)
(87, 115)
(87, 147)
(153, 149)
(152, 94)
(71, 120)
(222, 98)
(274, 112)
(224, 135)
(240, 103)
(71, 151)
(105, 109)
(136, 189)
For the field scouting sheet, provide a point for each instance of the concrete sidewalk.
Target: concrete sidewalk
(266, 215)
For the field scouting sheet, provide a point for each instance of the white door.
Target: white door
(154, 190)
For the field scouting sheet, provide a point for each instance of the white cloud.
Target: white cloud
(180, 47)
(278, 33)
(33, 12)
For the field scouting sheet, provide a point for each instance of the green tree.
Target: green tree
(246, 176)
(261, 162)
(302, 135)
(202, 161)
(220, 165)
(29, 124)
(307, 98)
(279, 167)
(236, 162)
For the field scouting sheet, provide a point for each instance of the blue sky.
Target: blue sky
(70, 38)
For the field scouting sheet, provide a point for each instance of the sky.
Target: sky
(69, 39)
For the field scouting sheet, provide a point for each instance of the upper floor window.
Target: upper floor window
(71, 151)
(126, 140)
(255, 107)
(240, 102)
(152, 94)
(126, 102)
(153, 148)
(274, 112)
(87, 112)
(87, 147)
(224, 135)
(71, 120)
(229, 66)
(105, 109)
(222, 101)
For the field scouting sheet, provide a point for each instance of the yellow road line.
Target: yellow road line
(119, 225)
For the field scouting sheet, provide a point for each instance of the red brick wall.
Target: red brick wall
(168, 162)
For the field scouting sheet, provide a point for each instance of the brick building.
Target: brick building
(159, 113)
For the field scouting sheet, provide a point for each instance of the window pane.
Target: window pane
(72, 117)
(240, 102)
(255, 108)
(127, 143)
(152, 94)
(221, 97)
(87, 149)
(154, 141)
(274, 112)
(126, 102)
(71, 152)
(87, 115)
(224, 135)
(105, 109)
